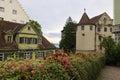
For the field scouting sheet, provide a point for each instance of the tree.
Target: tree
(110, 50)
(36, 25)
(68, 41)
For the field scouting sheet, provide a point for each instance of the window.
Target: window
(41, 54)
(105, 29)
(21, 40)
(28, 28)
(83, 34)
(14, 11)
(100, 38)
(91, 27)
(9, 39)
(110, 29)
(99, 30)
(105, 20)
(28, 40)
(1, 57)
(82, 27)
(2, 9)
(10, 1)
(27, 55)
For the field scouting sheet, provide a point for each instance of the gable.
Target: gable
(105, 19)
(28, 29)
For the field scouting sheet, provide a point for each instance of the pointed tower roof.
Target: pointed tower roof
(85, 19)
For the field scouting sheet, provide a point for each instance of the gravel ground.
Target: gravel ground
(110, 73)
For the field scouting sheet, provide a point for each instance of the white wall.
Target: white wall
(20, 17)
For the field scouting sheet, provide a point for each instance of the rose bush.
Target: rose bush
(59, 66)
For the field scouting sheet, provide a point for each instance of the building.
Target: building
(116, 26)
(90, 31)
(116, 32)
(22, 41)
(116, 11)
(11, 10)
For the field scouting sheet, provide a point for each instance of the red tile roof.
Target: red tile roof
(46, 44)
(6, 26)
(85, 19)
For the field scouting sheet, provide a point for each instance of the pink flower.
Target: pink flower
(33, 71)
(25, 68)
(65, 60)
(27, 58)
(31, 65)
(46, 71)
(40, 66)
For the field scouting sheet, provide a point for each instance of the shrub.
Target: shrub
(56, 67)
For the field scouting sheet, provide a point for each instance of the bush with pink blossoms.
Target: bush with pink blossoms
(56, 67)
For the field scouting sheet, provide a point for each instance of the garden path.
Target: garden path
(110, 73)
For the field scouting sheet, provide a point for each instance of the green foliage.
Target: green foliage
(112, 50)
(36, 25)
(68, 41)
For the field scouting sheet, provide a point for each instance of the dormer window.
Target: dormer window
(9, 39)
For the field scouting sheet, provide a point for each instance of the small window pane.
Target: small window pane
(2, 9)
(14, 11)
(82, 27)
(105, 29)
(98, 29)
(91, 27)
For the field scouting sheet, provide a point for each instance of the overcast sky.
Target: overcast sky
(52, 14)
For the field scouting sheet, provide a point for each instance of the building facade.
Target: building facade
(89, 32)
(116, 26)
(116, 12)
(11, 10)
(22, 41)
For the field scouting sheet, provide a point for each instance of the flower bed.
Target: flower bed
(56, 67)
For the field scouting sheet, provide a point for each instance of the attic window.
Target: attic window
(105, 20)
(14, 11)
(9, 39)
(28, 28)
(2, 9)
